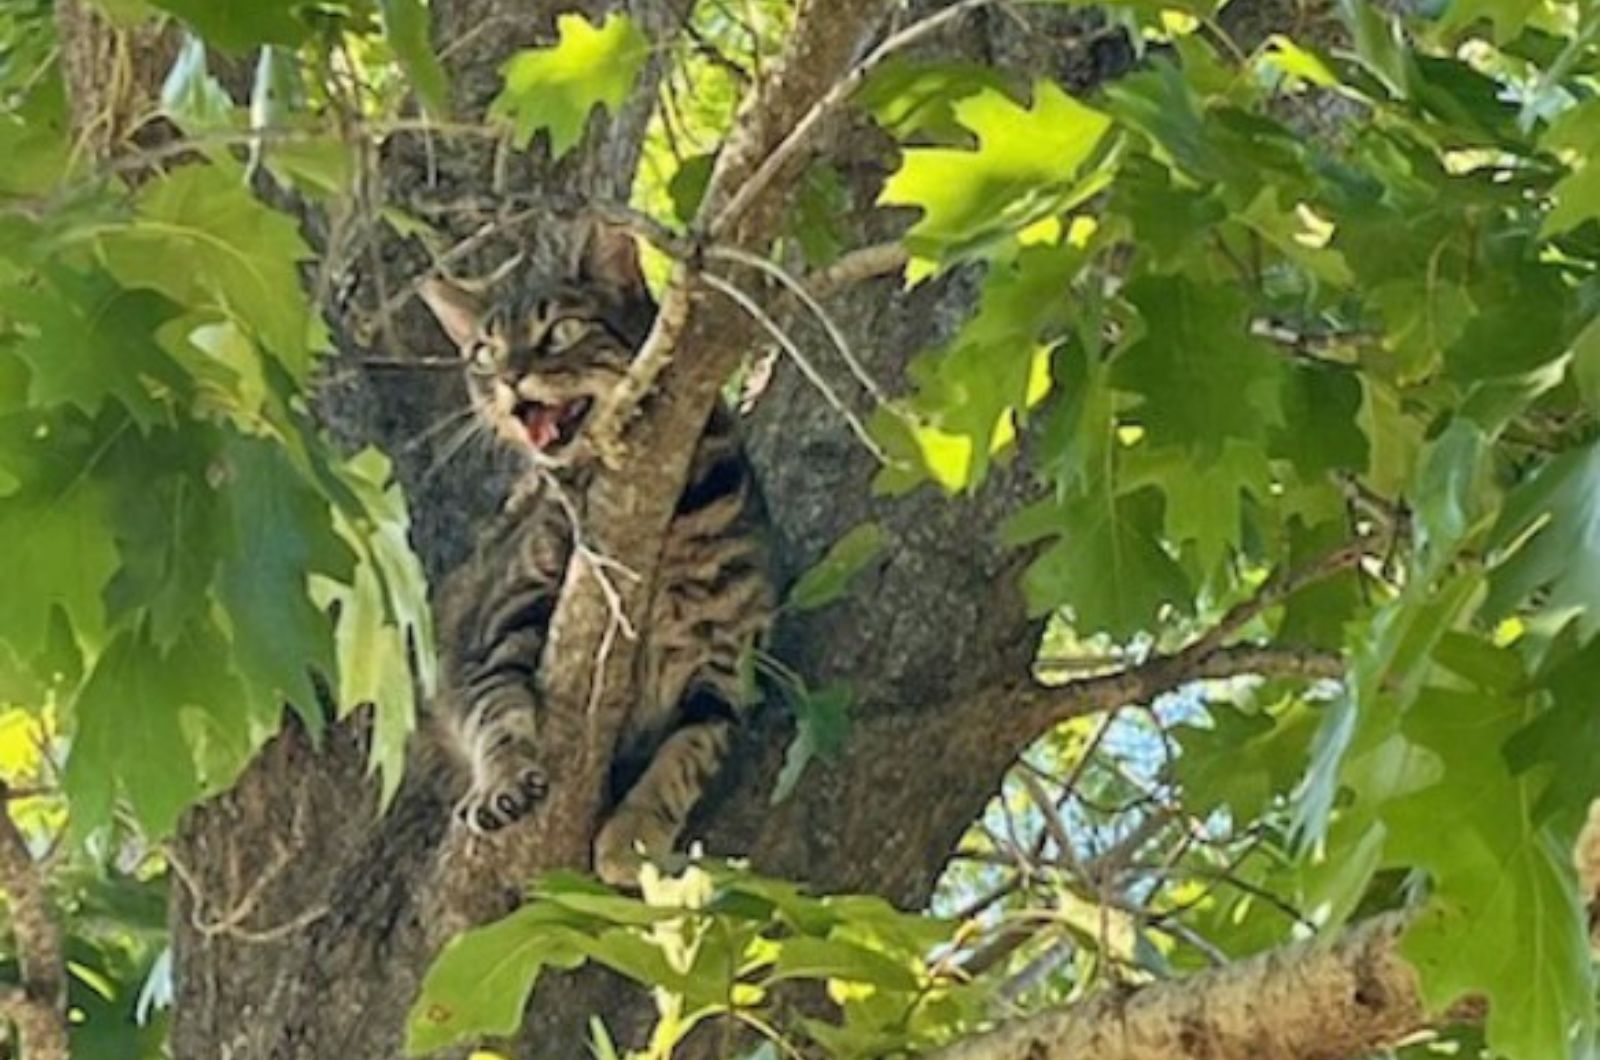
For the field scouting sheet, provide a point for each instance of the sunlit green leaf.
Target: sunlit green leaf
(556, 88)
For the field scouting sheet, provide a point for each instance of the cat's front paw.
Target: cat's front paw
(504, 792)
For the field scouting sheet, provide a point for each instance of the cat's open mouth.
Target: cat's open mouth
(552, 427)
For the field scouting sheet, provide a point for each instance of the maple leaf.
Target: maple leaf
(556, 88)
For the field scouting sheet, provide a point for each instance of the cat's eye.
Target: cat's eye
(481, 359)
(567, 332)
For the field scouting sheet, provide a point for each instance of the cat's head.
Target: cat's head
(540, 356)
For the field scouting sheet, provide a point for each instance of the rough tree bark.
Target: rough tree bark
(935, 642)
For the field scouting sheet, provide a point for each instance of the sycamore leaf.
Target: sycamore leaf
(1316, 616)
(1519, 325)
(1549, 537)
(191, 97)
(240, 24)
(1205, 505)
(834, 958)
(1563, 737)
(384, 618)
(1106, 563)
(1076, 429)
(1200, 376)
(1026, 166)
(1321, 405)
(556, 88)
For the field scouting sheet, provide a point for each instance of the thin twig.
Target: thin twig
(803, 130)
(856, 266)
(798, 289)
(789, 346)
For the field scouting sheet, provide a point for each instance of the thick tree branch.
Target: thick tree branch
(38, 1007)
(1040, 706)
(588, 669)
(1313, 1000)
(1205, 658)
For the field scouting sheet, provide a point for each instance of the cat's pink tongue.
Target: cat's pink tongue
(543, 425)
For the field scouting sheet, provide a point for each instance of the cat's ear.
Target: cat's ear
(457, 309)
(609, 257)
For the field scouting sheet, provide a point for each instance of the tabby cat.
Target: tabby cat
(538, 358)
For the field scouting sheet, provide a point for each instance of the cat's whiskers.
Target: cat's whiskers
(443, 423)
(472, 430)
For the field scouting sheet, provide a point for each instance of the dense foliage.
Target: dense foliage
(1254, 304)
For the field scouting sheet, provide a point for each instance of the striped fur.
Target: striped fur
(534, 374)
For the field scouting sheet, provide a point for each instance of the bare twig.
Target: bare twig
(856, 266)
(802, 131)
(791, 348)
(798, 289)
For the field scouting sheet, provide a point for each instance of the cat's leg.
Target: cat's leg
(647, 822)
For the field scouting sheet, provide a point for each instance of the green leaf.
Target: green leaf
(1574, 137)
(1390, 661)
(815, 210)
(1564, 737)
(130, 740)
(688, 185)
(1200, 376)
(1106, 564)
(88, 341)
(1585, 369)
(1320, 433)
(1549, 536)
(240, 24)
(1244, 759)
(1489, 868)
(1025, 168)
(384, 617)
(203, 240)
(405, 23)
(556, 88)
(830, 577)
(822, 726)
(282, 534)
(170, 530)
(906, 96)
(480, 983)
(1519, 326)
(980, 385)
(834, 958)
(1205, 504)
(1316, 616)
(191, 97)
(57, 530)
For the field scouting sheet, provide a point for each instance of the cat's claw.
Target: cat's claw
(503, 797)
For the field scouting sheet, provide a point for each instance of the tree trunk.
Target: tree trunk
(312, 918)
